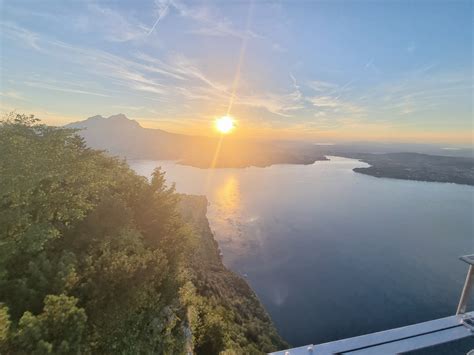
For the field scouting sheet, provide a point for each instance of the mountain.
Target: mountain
(124, 137)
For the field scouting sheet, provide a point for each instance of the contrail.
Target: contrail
(162, 14)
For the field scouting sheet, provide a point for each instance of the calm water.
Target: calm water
(332, 253)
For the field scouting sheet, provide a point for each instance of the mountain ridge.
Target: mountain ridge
(126, 138)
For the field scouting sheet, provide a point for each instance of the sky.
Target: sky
(325, 71)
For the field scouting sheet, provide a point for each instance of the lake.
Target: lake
(332, 253)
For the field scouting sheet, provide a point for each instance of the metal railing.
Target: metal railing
(466, 291)
(404, 339)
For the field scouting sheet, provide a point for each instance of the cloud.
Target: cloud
(419, 91)
(12, 95)
(210, 23)
(325, 101)
(295, 103)
(183, 84)
(318, 85)
(142, 72)
(173, 78)
(62, 88)
(278, 104)
(187, 68)
(224, 29)
(27, 37)
(177, 77)
(114, 26)
(335, 107)
(124, 72)
(158, 66)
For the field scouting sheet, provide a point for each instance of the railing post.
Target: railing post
(467, 284)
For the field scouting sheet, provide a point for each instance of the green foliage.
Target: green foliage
(95, 259)
(224, 314)
(4, 327)
(58, 329)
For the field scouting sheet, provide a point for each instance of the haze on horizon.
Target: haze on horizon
(339, 70)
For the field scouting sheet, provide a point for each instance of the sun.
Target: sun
(225, 124)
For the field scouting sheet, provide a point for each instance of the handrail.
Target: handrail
(466, 291)
(404, 339)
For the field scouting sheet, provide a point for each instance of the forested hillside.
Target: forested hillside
(95, 259)
(226, 300)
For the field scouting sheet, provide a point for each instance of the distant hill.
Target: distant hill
(416, 166)
(124, 137)
(387, 147)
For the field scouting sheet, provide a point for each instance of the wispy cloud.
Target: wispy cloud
(419, 91)
(318, 85)
(146, 73)
(156, 65)
(281, 104)
(27, 37)
(42, 85)
(181, 79)
(112, 24)
(335, 105)
(209, 21)
(325, 101)
(12, 95)
(186, 67)
(175, 77)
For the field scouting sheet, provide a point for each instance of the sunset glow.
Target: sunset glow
(225, 124)
(176, 158)
(167, 68)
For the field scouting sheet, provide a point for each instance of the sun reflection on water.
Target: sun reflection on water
(228, 196)
(226, 213)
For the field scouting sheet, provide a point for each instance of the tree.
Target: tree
(70, 227)
(95, 259)
(58, 329)
(4, 328)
